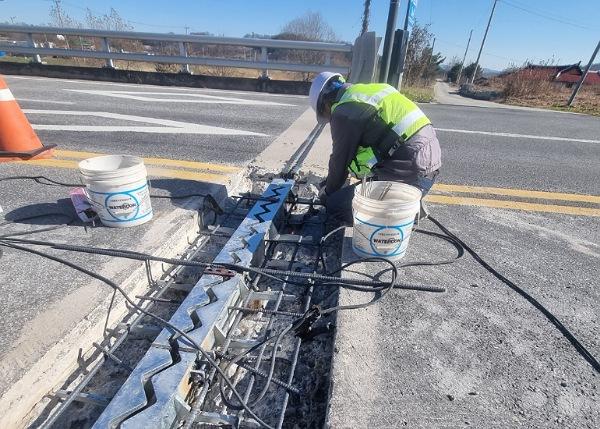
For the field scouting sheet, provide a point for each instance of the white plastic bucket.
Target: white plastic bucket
(382, 227)
(117, 187)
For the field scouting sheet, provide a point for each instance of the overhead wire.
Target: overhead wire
(546, 15)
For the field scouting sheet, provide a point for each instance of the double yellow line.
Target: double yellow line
(162, 167)
(445, 194)
(480, 196)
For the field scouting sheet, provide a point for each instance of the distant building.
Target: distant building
(568, 75)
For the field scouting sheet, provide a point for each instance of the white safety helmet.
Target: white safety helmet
(316, 91)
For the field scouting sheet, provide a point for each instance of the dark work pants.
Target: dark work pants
(339, 204)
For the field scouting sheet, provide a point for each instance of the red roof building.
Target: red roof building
(565, 74)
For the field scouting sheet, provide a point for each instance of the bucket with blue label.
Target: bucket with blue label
(117, 188)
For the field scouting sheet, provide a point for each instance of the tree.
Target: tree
(468, 71)
(421, 63)
(310, 27)
(452, 73)
(111, 21)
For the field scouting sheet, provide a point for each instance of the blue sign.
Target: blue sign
(412, 8)
(2, 53)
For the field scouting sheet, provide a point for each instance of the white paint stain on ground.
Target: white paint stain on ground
(172, 97)
(160, 126)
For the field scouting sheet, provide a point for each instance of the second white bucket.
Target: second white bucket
(382, 226)
(117, 187)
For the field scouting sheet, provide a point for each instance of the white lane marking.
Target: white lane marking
(522, 136)
(6, 95)
(174, 88)
(44, 101)
(168, 126)
(195, 98)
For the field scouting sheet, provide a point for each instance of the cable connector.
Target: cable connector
(303, 327)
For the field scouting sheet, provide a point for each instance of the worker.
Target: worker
(378, 133)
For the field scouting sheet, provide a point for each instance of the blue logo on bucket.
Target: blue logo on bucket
(123, 206)
(391, 240)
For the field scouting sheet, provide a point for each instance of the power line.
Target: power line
(548, 16)
(486, 54)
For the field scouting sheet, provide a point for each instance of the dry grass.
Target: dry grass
(525, 90)
(419, 94)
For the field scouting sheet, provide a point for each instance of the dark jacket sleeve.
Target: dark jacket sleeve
(347, 126)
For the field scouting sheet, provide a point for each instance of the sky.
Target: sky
(522, 30)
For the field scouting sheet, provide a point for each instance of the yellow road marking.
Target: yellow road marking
(516, 205)
(155, 161)
(525, 193)
(152, 171)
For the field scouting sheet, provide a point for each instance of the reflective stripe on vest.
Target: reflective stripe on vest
(405, 124)
(402, 115)
(374, 99)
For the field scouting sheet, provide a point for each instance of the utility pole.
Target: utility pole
(583, 76)
(365, 17)
(462, 65)
(384, 67)
(429, 60)
(483, 42)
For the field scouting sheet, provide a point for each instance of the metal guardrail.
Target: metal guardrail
(182, 40)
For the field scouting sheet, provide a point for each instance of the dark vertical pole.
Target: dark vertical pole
(483, 41)
(388, 42)
(404, 46)
(462, 65)
(366, 16)
(583, 76)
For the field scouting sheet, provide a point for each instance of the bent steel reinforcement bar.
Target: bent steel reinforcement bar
(155, 393)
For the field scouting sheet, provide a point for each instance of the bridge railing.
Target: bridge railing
(310, 63)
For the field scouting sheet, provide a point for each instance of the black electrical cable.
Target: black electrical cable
(557, 323)
(40, 180)
(267, 272)
(159, 319)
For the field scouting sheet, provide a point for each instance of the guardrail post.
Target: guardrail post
(35, 58)
(327, 58)
(264, 58)
(106, 47)
(185, 68)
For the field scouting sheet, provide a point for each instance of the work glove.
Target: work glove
(323, 195)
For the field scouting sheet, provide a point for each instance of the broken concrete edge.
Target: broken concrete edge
(155, 78)
(22, 403)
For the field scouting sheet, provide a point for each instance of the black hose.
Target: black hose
(557, 323)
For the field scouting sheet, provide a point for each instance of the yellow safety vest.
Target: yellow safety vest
(402, 116)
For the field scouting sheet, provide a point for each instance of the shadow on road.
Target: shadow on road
(48, 214)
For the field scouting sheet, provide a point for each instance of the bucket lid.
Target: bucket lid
(396, 192)
(110, 164)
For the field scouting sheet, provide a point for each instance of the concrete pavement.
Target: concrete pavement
(520, 187)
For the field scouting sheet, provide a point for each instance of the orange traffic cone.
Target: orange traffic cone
(18, 141)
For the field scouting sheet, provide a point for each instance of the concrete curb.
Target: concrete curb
(156, 78)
